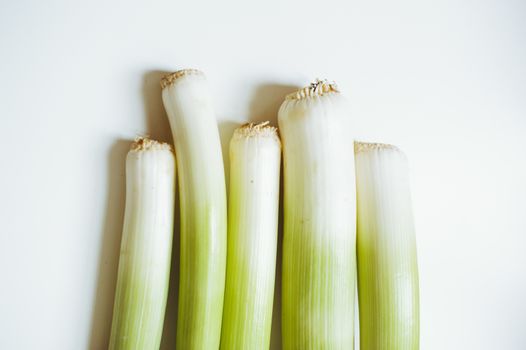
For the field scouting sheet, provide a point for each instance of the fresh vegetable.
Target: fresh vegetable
(319, 262)
(203, 209)
(255, 157)
(144, 263)
(386, 249)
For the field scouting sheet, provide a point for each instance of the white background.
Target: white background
(444, 80)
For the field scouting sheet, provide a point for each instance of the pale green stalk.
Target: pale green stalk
(386, 249)
(319, 267)
(255, 156)
(203, 209)
(144, 263)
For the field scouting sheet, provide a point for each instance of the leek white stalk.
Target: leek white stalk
(144, 263)
(203, 209)
(255, 156)
(319, 262)
(386, 249)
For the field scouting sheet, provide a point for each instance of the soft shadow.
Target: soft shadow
(275, 333)
(226, 130)
(170, 316)
(157, 125)
(111, 241)
(266, 100)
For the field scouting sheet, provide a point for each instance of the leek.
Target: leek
(319, 262)
(386, 249)
(255, 156)
(144, 263)
(203, 209)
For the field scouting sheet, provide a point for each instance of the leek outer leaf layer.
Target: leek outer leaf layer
(319, 261)
(146, 245)
(255, 157)
(203, 209)
(386, 250)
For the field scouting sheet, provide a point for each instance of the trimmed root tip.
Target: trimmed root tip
(147, 144)
(263, 129)
(315, 89)
(169, 79)
(371, 146)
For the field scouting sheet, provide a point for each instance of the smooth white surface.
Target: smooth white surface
(444, 80)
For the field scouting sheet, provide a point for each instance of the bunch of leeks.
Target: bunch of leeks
(345, 213)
